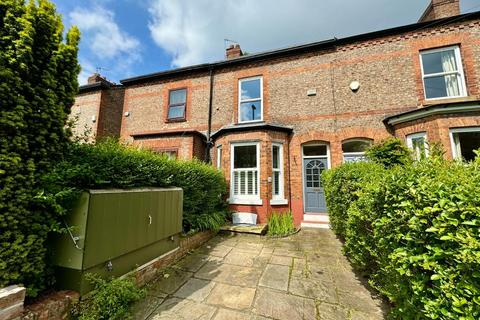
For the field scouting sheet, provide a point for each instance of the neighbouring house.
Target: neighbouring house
(273, 121)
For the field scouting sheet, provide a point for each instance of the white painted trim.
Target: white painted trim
(281, 185)
(219, 156)
(416, 135)
(278, 202)
(453, 144)
(256, 202)
(309, 157)
(460, 72)
(236, 199)
(240, 98)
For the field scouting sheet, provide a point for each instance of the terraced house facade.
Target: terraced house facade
(273, 121)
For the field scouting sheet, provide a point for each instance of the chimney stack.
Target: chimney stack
(97, 77)
(234, 51)
(438, 9)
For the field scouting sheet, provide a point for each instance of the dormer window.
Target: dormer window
(177, 102)
(250, 101)
(443, 73)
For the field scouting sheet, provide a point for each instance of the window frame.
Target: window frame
(219, 156)
(167, 151)
(244, 199)
(452, 131)
(178, 119)
(460, 72)
(355, 154)
(411, 136)
(278, 199)
(240, 101)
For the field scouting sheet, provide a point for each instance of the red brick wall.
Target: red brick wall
(387, 68)
(86, 106)
(110, 114)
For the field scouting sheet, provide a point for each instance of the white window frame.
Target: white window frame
(416, 135)
(456, 149)
(219, 157)
(240, 101)
(460, 72)
(355, 154)
(278, 199)
(244, 199)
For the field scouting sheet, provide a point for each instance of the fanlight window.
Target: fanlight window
(354, 150)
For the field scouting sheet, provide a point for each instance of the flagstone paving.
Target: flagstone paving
(304, 276)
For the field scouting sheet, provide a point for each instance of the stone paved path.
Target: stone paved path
(249, 277)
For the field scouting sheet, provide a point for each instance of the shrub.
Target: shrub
(111, 299)
(38, 83)
(280, 224)
(341, 186)
(414, 231)
(389, 153)
(110, 164)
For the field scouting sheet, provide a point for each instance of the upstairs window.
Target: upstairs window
(417, 142)
(354, 150)
(177, 102)
(250, 100)
(443, 73)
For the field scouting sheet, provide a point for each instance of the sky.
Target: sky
(126, 38)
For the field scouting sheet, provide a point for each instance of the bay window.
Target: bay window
(417, 142)
(354, 149)
(277, 175)
(465, 141)
(245, 173)
(250, 101)
(443, 73)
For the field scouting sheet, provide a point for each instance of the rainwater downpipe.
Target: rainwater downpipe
(209, 128)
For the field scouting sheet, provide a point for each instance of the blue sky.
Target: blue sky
(125, 38)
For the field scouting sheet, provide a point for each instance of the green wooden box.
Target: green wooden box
(114, 231)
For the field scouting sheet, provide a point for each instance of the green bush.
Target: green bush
(38, 83)
(414, 230)
(280, 224)
(110, 164)
(389, 153)
(110, 299)
(341, 186)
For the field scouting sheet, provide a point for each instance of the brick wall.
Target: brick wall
(85, 109)
(110, 115)
(387, 68)
(438, 9)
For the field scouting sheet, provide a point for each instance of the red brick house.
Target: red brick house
(273, 121)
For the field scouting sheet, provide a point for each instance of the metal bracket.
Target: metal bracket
(74, 239)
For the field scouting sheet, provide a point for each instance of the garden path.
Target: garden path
(304, 276)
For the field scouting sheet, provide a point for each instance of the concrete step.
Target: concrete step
(315, 217)
(315, 224)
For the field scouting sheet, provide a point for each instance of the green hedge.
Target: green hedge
(414, 231)
(110, 164)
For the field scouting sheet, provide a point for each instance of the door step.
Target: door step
(315, 217)
(320, 221)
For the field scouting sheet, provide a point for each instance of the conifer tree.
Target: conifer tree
(38, 83)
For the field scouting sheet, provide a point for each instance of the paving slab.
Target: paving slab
(275, 277)
(171, 280)
(179, 309)
(304, 276)
(278, 305)
(233, 297)
(195, 289)
(230, 274)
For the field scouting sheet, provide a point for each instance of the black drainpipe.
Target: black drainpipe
(209, 130)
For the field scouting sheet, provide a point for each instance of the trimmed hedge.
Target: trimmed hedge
(110, 164)
(414, 231)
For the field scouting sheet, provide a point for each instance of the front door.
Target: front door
(313, 190)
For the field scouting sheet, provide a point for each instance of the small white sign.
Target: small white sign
(244, 218)
(311, 92)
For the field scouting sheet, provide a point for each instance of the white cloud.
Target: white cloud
(192, 31)
(104, 42)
